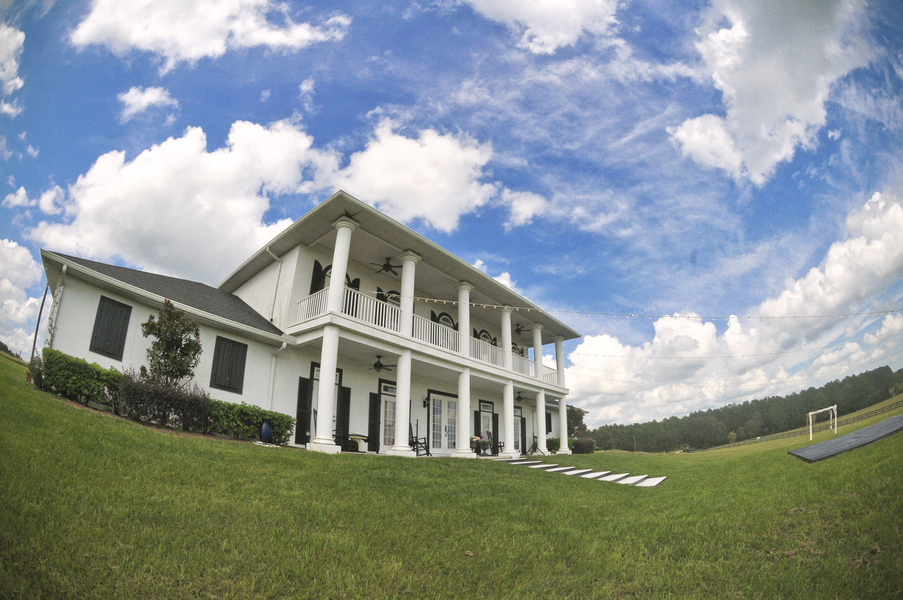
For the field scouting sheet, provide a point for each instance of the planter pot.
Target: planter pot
(265, 432)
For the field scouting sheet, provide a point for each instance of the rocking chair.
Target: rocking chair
(418, 444)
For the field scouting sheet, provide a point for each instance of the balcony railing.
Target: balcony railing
(388, 316)
(486, 353)
(370, 310)
(524, 366)
(436, 334)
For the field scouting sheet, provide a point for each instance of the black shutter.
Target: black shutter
(317, 279)
(343, 417)
(476, 424)
(302, 425)
(548, 422)
(228, 371)
(110, 327)
(373, 425)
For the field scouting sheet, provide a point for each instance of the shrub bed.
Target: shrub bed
(79, 380)
(243, 421)
(186, 406)
(584, 445)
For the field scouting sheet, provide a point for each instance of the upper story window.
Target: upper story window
(228, 371)
(110, 326)
(443, 318)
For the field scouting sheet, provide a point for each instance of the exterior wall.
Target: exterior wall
(75, 325)
(259, 291)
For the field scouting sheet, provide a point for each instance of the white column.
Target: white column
(336, 295)
(559, 358)
(563, 425)
(323, 441)
(506, 337)
(537, 349)
(464, 289)
(402, 407)
(508, 396)
(408, 262)
(541, 426)
(464, 415)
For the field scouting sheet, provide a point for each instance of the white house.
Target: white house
(415, 339)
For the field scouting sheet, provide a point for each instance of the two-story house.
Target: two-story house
(412, 339)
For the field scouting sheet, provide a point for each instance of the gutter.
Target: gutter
(273, 375)
(278, 278)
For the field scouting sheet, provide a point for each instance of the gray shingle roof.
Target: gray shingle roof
(190, 293)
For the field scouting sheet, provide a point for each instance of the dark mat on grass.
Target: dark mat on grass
(864, 436)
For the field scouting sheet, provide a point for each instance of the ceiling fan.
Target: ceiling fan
(379, 366)
(387, 267)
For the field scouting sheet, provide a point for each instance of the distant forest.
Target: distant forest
(737, 422)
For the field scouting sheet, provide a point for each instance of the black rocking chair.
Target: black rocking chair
(418, 444)
(495, 446)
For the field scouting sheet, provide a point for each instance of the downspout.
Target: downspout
(278, 277)
(273, 376)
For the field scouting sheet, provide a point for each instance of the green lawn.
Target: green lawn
(92, 506)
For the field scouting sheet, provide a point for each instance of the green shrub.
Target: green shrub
(553, 444)
(164, 402)
(584, 445)
(79, 380)
(36, 367)
(243, 421)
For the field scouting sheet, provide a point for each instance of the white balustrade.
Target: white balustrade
(486, 352)
(312, 306)
(524, 366)
(370, 310)
(436, 334)
(550, 377)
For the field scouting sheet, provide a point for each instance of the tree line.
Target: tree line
(751, 419)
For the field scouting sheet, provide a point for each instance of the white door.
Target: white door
(443, 423)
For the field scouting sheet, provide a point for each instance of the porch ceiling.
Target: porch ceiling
(380, 236)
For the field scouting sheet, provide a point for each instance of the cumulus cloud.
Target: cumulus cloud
(20, 272)
(523, 206)
(11, 43)
(138, 100)
(178, 31)
(178, 208)
(434, 177)
(503, 278)
(774, 63)
(49, 202)
(547, 25)
(19, 199)
(688, 365)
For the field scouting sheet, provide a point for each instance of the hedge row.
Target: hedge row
(143, 399)
(77, 379)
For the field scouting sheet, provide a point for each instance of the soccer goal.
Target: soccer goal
(833, 418)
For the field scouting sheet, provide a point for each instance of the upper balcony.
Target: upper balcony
(387, 317)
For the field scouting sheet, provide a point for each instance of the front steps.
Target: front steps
(622, 478)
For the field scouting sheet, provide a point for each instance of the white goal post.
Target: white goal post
(833, 418)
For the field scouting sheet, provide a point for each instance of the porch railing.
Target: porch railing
(522, 365)
(486, 352)
(436, 334)
(550, 377)
(312, 306)
(370, 310)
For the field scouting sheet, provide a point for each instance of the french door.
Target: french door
(443, 423)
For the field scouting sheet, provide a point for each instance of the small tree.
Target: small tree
(176, 349)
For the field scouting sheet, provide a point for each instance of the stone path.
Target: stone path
(622, 478)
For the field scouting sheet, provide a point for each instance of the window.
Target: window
(228, 365)
(110, 326)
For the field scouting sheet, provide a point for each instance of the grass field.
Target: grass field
(92, 506)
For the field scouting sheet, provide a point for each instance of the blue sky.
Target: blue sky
(731, 171)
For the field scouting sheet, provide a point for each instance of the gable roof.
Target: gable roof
(202, 301)
(379, 236)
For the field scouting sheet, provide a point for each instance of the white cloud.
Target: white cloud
(138, 99)
(179, 31)
(682, 368)
(11, 42)
(179, 209)
(434, 177)
(20, 271)
(504, 278)
(774, 63)
(49, 202)
(546, 25)
(524, 206)
(18, 200)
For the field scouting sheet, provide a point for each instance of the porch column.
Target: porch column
(408, 261)
(464, 289)
(537, 349)
(402, 407)
(506, 338)
(323, 440)
(335, 298)
(465, 411)
(541, 426)
(563, 425)
(508, 397)
(559, 358)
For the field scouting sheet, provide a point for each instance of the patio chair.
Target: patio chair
(418, 444)
(496, 446)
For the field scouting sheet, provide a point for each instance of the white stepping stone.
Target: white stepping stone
(632, 480)
(614, 477)
(559, 469)
(544, 466)
(579, 472)
(527, 462)
(595, 475)
(654, 481)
